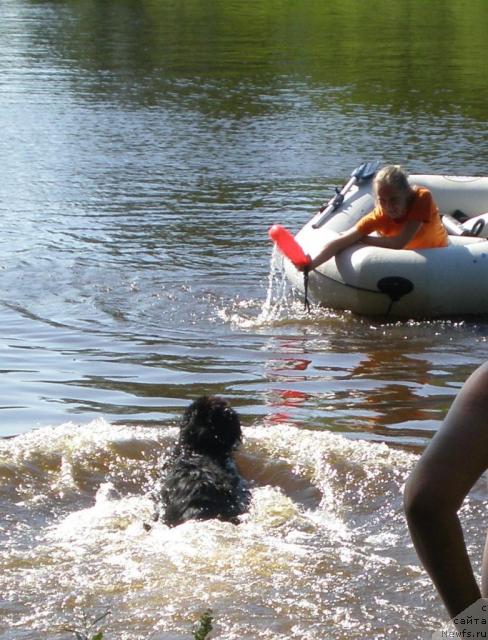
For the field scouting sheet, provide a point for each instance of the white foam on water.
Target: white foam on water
(324, 540)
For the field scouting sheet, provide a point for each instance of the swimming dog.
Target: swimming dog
(200, 481)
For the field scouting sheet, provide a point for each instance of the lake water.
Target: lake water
(147, 146)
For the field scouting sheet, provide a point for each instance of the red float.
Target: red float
(288, 246)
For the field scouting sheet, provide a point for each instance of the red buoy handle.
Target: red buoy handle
(287, 244)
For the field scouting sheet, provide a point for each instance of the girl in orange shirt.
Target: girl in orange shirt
(406, 217)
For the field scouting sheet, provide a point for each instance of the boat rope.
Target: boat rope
(389, 308)
(305, 289)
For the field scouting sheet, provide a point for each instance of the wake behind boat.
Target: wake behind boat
(420, 283)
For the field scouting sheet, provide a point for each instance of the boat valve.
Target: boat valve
(395, 287)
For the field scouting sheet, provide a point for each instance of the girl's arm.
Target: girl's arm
(351, 236)
(437, 487)
(407, 232)
(344, 240)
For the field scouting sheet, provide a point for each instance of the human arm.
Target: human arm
(406, 233)
(343, 240)
(437, 487)
(349, 237)
(361, 233)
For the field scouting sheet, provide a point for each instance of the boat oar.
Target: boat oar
(290, 248)
(365, 171)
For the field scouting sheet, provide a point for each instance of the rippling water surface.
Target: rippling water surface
(146, 148)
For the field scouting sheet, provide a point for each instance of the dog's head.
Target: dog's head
(210, 426)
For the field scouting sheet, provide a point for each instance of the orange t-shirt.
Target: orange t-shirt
(432, 232)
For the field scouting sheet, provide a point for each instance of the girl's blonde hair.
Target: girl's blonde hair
(394, 176)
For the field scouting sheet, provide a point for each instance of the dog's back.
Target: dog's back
(199, 488)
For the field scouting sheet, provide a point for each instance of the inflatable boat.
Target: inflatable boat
(427, 283)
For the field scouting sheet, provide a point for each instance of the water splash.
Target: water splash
(325, 524)
(280, 305)
(276, 296)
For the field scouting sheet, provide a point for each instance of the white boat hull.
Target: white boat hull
(372, 281)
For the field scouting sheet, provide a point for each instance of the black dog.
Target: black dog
(200, 480)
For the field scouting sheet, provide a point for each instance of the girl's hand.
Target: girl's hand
(304, 267)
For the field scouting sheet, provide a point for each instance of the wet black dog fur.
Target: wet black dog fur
(200, 481)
